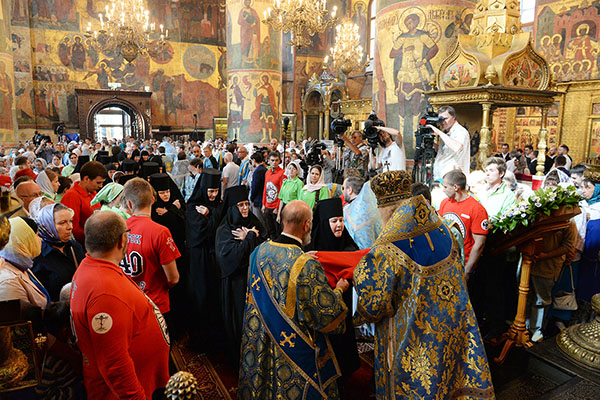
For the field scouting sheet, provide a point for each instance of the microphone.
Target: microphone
(286, 122)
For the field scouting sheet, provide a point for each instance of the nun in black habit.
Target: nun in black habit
(238, 235)
(203, 215)
(329, 234)
(169, 211)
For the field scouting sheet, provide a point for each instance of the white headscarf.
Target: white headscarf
(45, 184)
(313, 187)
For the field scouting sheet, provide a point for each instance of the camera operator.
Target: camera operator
(391, 157)
(454, 147)
(357, 155)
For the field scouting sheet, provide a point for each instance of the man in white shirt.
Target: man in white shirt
(391, 157)
(454, 146)
(230, 172)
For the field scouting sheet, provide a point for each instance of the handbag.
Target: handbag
(564, 300)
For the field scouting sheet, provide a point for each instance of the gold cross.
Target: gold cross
(287, 339)
(255, 282)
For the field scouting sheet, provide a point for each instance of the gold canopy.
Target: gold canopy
(493, 66)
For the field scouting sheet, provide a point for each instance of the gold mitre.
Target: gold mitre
(391, 186)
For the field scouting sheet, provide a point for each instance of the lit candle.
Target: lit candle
(167, 33)
(326, 60)
(161, 27)
(101, 19)
(265, 12)
(334, 11)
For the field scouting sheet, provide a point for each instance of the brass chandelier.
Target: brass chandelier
(347, 53)
(125, 29)
(303, 18)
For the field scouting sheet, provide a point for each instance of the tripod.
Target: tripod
(423, 167)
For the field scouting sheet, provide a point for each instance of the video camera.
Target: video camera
(314, 156)
(424, 137)
(339, 126)
(37, 138)
(370, 133)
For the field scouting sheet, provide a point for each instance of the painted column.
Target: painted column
(7, 92)
(254, 77)
(412, 39)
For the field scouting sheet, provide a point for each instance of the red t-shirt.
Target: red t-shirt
(273, 182)
(150, 246)
(122, 335)
(5, 181)
(470, 216)
(78, 200)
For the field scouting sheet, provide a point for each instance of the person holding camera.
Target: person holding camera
(357, 156)
(391, 157)
(454, 146)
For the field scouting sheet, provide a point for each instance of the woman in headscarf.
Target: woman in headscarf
(56, 162)
(588, 282)
(109, 197)
(168, 210)
(238, 235)
(48, 182)
(37, 204)
(69, 168)
(39, 165)
(60, 254)
(17, 281)
(291, 186)
(203, 216)
(315, 188)
(329, 234)
(180, 170)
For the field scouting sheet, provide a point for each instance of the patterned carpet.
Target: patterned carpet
(218, 381)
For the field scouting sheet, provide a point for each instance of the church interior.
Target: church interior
(206, 74)
(517, 71)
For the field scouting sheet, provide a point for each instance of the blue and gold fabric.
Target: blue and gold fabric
(285, 352)
(411, 285)
(361, 218)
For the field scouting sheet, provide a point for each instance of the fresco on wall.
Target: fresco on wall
(461, 73)
(6, 75)
(567, 35)
(46, 14)
(50, 63)
(254, 101)
(411, 43)
(254, 78)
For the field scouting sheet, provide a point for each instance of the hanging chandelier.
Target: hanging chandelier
(125, 29)
(347, 53)
(303, 18)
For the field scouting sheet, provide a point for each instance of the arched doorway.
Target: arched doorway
(113, 114)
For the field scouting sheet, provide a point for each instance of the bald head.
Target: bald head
(103, 233)
(297, 220)
(27, 192)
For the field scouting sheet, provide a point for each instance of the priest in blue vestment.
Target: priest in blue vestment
(411, 285)
(290, 309)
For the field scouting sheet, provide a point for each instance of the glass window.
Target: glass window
(372, 30)
(527, 11)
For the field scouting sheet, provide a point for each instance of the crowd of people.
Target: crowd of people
(255, 251)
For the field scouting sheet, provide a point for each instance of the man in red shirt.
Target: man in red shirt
(121, 334)
(78, 198)
(151, 250)
(273, 180)
(469, 215)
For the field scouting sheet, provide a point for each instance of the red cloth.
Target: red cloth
(25, 172)
(122, 336)
(340, 264)
(78, 200)
(5, 181)
(273, 182)
(471, 217)
(150, 246)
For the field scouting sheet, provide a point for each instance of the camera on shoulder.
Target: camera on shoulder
(370, 132)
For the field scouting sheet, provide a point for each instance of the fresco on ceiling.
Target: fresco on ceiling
(411, 44)
(567, 35)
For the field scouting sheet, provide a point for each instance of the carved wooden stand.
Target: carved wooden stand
(529, 242)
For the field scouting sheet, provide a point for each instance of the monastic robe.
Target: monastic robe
(411, 285)
(298, 288)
